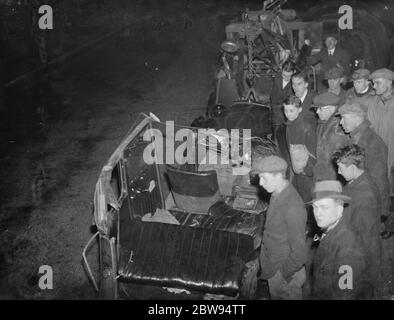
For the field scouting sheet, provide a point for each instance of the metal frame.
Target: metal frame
(113, 243)
(114, 258)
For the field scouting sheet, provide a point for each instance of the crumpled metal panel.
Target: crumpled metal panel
(104, 195)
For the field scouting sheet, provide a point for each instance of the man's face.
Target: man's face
(350, 121)
(330, 43)
(381, 85)
(325, 112)
(269, 181)
(327, 211)
(291, 111)
(346, 171)
(299, 86)
(334, 84)
(286, 75)
(360, 85)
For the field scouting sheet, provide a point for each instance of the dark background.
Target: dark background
(107, 60)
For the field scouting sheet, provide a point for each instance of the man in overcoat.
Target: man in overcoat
(364, 209)
(283, 248)
(330, 136)
(353, 120)
(339, 263)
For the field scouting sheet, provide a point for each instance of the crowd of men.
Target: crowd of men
(331, 183)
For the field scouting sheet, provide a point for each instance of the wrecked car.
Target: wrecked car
(186, 230)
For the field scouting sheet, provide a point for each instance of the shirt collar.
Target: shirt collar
(365, 91)
(331, 51)
(320, 238)
(304, 96)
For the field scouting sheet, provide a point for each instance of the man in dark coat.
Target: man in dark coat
(283, 248)
(334, 77)
(331, 56)
(354, 122)
(281, 89)
(361, 87)
(364, 209)
(330, 136)
(339, 263)
(300, 84)
(381, 115)
(301, 143)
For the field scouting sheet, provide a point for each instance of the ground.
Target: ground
(92, 100)
(89, 102)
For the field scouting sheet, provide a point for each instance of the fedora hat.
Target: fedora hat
(329, 189)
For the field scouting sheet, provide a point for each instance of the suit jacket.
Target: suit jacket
(341, 246)
(278, 96)
(339, 58)
(278, 93)
(284, 240)
(308, 113)
(376, 160)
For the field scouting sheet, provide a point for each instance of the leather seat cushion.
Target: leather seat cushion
(186, 257)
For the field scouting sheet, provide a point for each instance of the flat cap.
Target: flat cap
(268, 164)
(334, 73)
(353, 107)
(326, 99)
(382, 73)
(360, 74)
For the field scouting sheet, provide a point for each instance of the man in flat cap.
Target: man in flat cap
(339, 262)
(331, 56)
(381, 115)
(335, 77)
(353, 120)
(361, 86)
(283, 248)
(330, 136)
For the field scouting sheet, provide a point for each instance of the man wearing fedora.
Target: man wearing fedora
(330, 136)
(339, 262)
(364, 209)
(354, 122)
(361, 87)
(283, 248)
